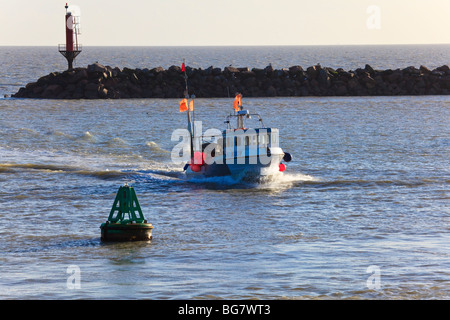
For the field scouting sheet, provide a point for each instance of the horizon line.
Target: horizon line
(243, 45)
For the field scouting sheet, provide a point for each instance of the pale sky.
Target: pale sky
(228, 22)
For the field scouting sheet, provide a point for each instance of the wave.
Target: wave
(40, 243)
(117, 142)
(293, 177)
(61, 134)
(85, 136)
(155, 147)
(98, 163)
(58, 134)
(47, 167)
(361, 183)
(88, 136)
(29, 130)
(158, 171)
(57, 168)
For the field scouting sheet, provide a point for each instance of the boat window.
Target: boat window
(230, 141)
(219, 147)
(274, 139)
(268, 139)
(247, 140)
(262, 139)
(254, 140)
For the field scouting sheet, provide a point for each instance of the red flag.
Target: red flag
(183, 68)
(191, 105)
(183, 105)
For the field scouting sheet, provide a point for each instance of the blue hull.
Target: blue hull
(243, 172)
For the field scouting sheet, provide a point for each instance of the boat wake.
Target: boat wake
(280, 180)
(286, 180)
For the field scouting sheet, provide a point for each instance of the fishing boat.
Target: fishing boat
(242, 152)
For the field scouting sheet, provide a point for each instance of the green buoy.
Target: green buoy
(126, 221)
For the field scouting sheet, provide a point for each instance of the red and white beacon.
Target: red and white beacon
(72, 48)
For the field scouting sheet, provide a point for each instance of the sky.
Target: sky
(228, 22)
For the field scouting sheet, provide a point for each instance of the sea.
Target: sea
(361, 212)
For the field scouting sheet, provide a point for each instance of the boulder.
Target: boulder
(175, 69)
(91, 86)
(369, 82)
(411, 70)
(37, 90)
(346, 75)
(247, 74)
(353, 84)
(103, 93)
(369, 69)
(324, 78)
(271, 91)
(157, 70)
(295, 70)
(91, 94)
(424, 70)
(395, 77)
(96, 67)
(31, 86)
(77, 76)
(268, 69)
(216, 71)
(230, 69)
(52, 91)
(341, 90)
(445, 69)
(313, 72)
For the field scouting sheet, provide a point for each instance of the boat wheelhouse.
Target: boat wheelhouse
(241, 152)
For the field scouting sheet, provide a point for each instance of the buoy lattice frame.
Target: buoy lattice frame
(126, 208)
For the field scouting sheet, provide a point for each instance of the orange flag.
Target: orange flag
(237, 102)
(191, 105)
(183, 105)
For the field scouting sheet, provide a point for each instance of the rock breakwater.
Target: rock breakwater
(103, 82)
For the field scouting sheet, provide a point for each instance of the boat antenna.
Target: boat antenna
(183, 69)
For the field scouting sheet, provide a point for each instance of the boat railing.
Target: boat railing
(246, 115)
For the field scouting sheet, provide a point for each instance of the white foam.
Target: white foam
(155, 147)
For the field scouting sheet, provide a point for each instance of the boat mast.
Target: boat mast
(240, 114)
(186, 95)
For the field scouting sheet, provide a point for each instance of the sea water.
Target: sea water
(362, 211)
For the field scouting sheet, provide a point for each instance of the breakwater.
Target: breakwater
(103, 82)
